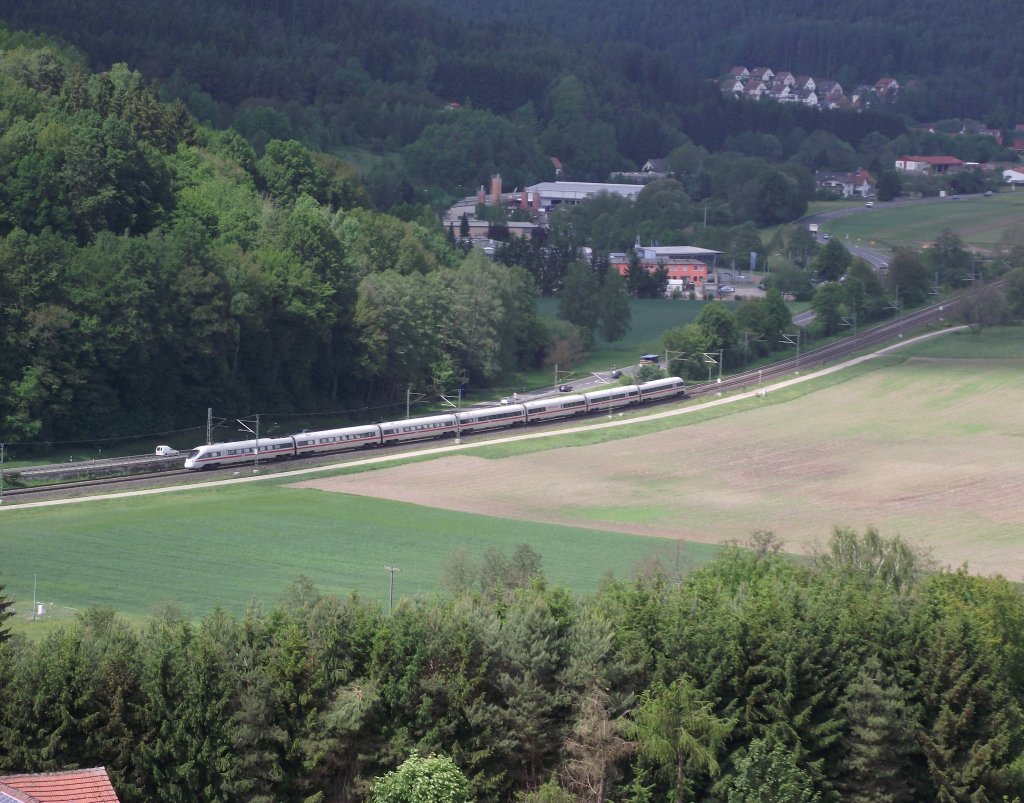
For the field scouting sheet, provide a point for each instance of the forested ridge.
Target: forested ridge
(379, 74)
(963, 58)
(859, 677)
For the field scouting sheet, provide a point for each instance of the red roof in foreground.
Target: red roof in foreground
(74, 786)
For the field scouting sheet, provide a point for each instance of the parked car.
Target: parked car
(869, 204)
(616, 374)
(166, 451)
(565, 388)
(726, 288)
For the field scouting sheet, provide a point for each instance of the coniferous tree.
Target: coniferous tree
(878, 742)
(768, 773)
(6, 612)
(971, 726)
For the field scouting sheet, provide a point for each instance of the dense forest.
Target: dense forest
(960, 59)
(860, 677)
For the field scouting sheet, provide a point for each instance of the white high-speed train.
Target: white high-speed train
(462, 422)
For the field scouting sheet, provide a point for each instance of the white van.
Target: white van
(166, 451)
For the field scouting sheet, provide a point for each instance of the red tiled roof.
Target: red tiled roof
(74, 786)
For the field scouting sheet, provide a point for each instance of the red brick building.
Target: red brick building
(688, 267)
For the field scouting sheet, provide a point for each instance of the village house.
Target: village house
(929, 165)
(1014, 175)
(784, 87)
(860, 184)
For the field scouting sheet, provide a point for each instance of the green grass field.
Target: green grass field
(228, 547)
(980, 222)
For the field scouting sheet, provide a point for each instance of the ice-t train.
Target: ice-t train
(462, 422)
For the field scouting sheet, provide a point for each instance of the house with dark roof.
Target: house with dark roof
(73, 786)
(655, 168)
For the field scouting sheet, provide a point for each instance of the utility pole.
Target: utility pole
(671, 355)
(789, 338)
(246, 428)
(710, 358)
(209, 425)
(391, 586)
(2, 473)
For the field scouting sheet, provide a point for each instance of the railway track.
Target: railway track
(865, 340)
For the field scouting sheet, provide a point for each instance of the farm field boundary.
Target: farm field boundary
(928, 450)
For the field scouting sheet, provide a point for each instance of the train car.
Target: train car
(415, 429)
(555, 407)
(508, 415)
(662, 388)
(611, 398)
(223, 454)
(337, 440)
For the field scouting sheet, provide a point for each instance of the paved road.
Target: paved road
(873, 256)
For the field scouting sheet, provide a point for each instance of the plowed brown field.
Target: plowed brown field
(932, 450)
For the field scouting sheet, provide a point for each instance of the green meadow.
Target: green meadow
(229, 547)
(980, 222)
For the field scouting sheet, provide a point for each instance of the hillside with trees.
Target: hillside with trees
(384, 76)
(958, 58)
(151, 268)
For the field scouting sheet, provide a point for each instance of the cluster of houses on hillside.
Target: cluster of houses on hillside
(823, 93)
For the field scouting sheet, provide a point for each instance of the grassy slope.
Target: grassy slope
(980, 222)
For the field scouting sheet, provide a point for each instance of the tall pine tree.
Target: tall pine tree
(6, 612)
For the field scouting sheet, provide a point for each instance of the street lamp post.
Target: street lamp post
(391, 586)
